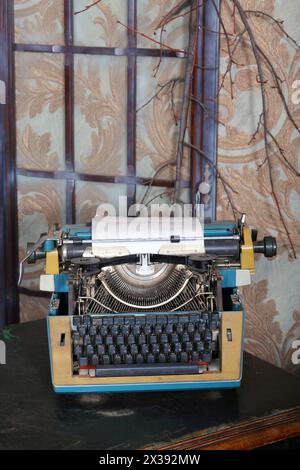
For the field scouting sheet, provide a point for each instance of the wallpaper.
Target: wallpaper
(272, 302)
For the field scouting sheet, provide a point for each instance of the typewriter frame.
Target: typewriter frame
(232, 318)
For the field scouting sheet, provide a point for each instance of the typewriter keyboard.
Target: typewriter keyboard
(147, 344)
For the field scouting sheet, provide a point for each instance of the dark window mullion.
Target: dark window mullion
(131, 100)
(94, 50)
(69, 111)
(9, 299)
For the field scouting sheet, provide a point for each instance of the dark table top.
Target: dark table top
(32, 416)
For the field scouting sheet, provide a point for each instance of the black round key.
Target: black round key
(174, 338)
(120, 340)
(103, 330)
(196, 337)
(144, 349)
(130, 339)
(185, 337)
(147, 329)
(125, 330)
(133, 349)
(169, 329)
(76, 320)
(86, 340)
(92, 330)
(123, 349)
(163, 338)
(77, 351)
(89, 350)
(82, 330)
(158, 329)
(151, 320)
(199, 346)
(86, 319)
(109, 340)
(206, 356)
(111, 349)
(75, 337)
(100, 349)
(188, 347)
(117, 359)
(139, 359)
(172, 357)
(142, 339)
(205, 316)
(207, 335)
(129, 321)
(136, 329)
(190, 328)
(195, 356)
(114, 330)
(179, 328)
(98, 339)
(183, 357)
(177, 347)
(162, 358)
(152, 339)
(128, 359)
(154, 348)
(94, 360)
(215, 316)
(183, 319)
(105, 359)
(150, 359)
(108, 321)
(166, 348)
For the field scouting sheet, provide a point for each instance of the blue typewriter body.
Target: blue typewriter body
(158, 323)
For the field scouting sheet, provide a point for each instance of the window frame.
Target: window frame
(204, 128)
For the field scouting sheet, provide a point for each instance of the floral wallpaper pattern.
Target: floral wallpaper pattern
(272, 302)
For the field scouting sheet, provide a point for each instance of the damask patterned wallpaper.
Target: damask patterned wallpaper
(273, 300)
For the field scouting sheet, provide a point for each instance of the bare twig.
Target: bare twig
(163, 87)
(87, 7)
(139, 33)
(157, 171)
(279, 23)
(257, 55)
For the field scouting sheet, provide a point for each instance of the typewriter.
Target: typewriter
(148, 311)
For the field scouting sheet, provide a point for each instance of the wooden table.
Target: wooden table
(264, 410)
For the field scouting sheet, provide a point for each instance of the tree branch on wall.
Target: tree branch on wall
(272, 148)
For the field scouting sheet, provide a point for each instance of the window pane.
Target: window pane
(39, 21)
(90, 195)
(158, 195)
(98, 25)
(157, 118)
(100, 115)
(40, 111)
(41, 203)
(151, 13)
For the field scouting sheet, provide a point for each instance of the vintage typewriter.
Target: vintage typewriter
(146, 312)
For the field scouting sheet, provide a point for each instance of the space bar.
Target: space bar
(125, 370)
